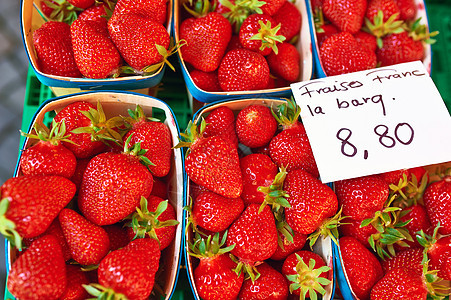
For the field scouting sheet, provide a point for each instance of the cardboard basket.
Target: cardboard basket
(303, 45)
(319, 70)
(117, 103)
(32, 18)
(323, 246)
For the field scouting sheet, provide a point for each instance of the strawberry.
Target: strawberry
(112, 186)
(366, 39)
(234, 43)
(271, 6)
(270, 285)
(82, 3)
(419, 220)
(353, 228)
(346, 15)
(60, 10)
(214, 212)
(76, 278)
(388, 8)
(80, 168)
(99, 13)
(291, 148)
(159, 188)
(306, 272)
(311, 201)
(258, 171)
(255, 125)
(31, 203)
(52, 42)
(95, 54)
(285, 247)
(393, 177)
(40, 272)
(290, 20)
(361, 197)
(407, 258)
(362, 267)
(326, 31)
(342, 53)
(243, 70)
(438, 206)
(438, 249)
(212, 162)
(206, 38)
(154, 137)
(259, 33)
(141, 41)
(407, 8)
(399, 48)
(154, 9)
(400, 283)
(207, 81)
(286, 63)
(117, 235)
(221, 121)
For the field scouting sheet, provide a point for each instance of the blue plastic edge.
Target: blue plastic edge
(345, 289)
(184, 177)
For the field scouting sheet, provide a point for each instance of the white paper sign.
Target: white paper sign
(374, 121)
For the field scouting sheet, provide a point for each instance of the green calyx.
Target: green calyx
(284, 230)
(408, 193)
(379, 28)
(63, 11)
(191, 135)
(318, 19)
(137, 151)
(144, 222)
(288, 113)
(103, 293)
(54, 136)
(198, 8)
(268, 36)
(329, 228)
(240, 10)
(274, 194)
(165, 53)
(420, 32)
(138, 115)
(308, 279)
(7, 227)
(250, 270)
(208, 247)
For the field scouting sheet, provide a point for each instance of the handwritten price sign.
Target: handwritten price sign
(374, 121)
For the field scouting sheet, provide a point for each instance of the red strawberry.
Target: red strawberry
(215, 212)
(272, 6)
(255, 125)
(150, 246)
(80, 168)
(407, 258)
(419, 221)
(366, 39)
(159, 188)
(258, 171)
(88, 243)
(99, 13)
(387, 7)
(76, 278)
(346, 15)
(137, 38)
(438, 205)
(304, 269)
(353, 228)
(40, 272)
(155, 138)
(400, 283)
(269, 285)
(154, 9)
(82, 3)
(286, 247)
(112, 186)
(311, 201)
(207, 81)
(324, 33)
(361, 197)
(212, 162)
(117, 235)
(221, 121)
(95, 54)
(33, 202)
(207, 38)
(439, 254)
(290, 20)
(408, 9)
(393, 177)
(234, 43)
(399, 48)
(286, 63)
(243, 70)
(342, 53)
(362, 267)
(52, 42)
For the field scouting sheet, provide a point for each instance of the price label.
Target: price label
(374, 121)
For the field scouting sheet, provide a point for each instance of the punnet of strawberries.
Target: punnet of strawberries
(91, 212)
(356, 35)
(100, 39)
(233, 46)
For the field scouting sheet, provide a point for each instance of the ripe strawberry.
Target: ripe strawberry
(270, 285)
(221, 121)
(154, 9)
(82, 3)
(76, 278)
(399, 48)
(272, 6)
(215, 212)
(259, 33)
(80, 168)
(258, 170)
(243, 70)
(290, 20)
(212, 162)
(361, 197)
(407, 258)
(400, 283)
(150, 246)
(159, 188)
(154, 137)
(255, 125)
(52, 42)
(419, 221)
(436, 200)
(207, 81)
(286, 247)
(306, 272)
(286, 63)
(393, 177)
(207, 38)
(40, 272)
(138, 39)
(99, 13)
(407, 8)
(387, 7)
(362, 267)
(324, 33)
(32, 203)
(95, 54)
(342, 53)
(439, 254)
(117, 235)
(311, 201)
(353, 228)
(346, 15)
(366, 39)
(112, 186)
